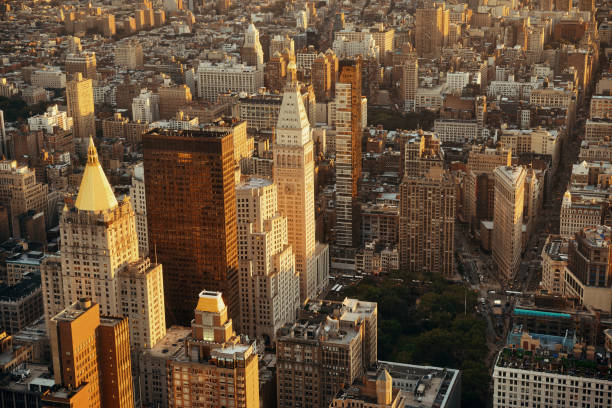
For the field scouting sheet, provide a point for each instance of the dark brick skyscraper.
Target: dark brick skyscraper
(191, 214)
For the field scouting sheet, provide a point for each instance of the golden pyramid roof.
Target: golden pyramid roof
(95, 193)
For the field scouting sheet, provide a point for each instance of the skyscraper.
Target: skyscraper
(431, 30)
(191, 213)
(427, 222)
(427, 208)
(479, 182)
(92, 351)
(99, 260)
(252, 52)
(294, 177)
(269, 283)
(410, 82)
(80, 101)
(506, 242)
(348, 152)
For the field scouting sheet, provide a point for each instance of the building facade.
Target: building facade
(195, 239)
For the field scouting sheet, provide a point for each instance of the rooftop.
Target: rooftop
(11, 293)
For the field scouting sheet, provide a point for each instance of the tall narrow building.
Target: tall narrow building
(99, 260)
(410, 82)
(294, 177)
(80, 101)
(427, 208)
(506, 242)
(92, 351)
(191, 213)
(431, 30)
(348, 153)
(252, 52)
(269, 283)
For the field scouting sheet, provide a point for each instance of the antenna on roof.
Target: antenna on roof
(155, 249)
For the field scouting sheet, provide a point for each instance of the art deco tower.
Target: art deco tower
(294, 177)
(269, 284)
(191, 213)
(252, 52)
(99, 260)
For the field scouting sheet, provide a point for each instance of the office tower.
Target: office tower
(348, 152)
(92, 351)
(410, 82)
(214, 79)
(427, 213)
(269, 283)
(243, 144)
(171, 98)
(129, 55)
(431, 30)
(506, 242)
(20, 193)
(139, 202)
(84, 62)
(479, 182)
(79, 98)
(145, 107)
(294, 177)
(214, 354)
(191, 213)
(588, 276)
(99, 260)
(340, 332)
(251, 51)
(322, 73)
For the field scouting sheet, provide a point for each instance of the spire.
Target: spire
(95, 193)
(293, 127)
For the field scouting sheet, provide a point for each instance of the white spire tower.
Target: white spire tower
(294, 176)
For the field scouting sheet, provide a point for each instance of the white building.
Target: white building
(294, 177)
(269, 283)
(51, 78)
(99, 260)
(455, 130)
(139, 202)
(456, 81)
(52, 118)
(145, 107)
(366, 47)
(551, 371)
(214, 79)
